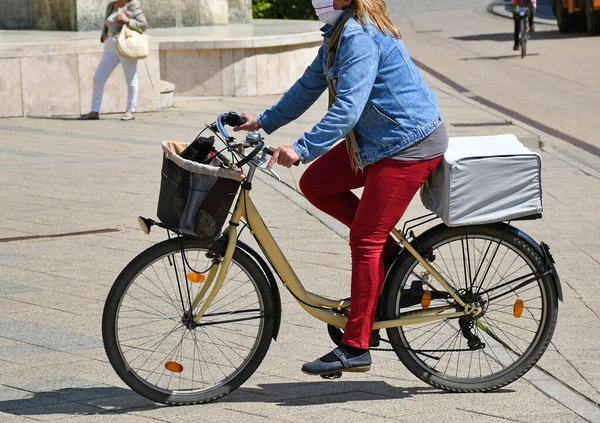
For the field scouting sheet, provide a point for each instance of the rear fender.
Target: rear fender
(543, 249)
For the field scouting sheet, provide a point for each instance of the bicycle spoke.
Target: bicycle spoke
(160, 298)
(490, 272)
(164, 289)
(146, 321)
(492, 325)
(160, 348)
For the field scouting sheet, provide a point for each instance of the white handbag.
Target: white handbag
(132, 45)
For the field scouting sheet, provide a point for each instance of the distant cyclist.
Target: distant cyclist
(516, 5)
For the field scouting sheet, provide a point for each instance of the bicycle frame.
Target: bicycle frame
(324, 309)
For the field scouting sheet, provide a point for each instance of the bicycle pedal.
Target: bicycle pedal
(332, 376)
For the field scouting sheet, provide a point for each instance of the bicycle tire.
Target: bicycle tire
(418, 355)
(523, 38)
(130, 294)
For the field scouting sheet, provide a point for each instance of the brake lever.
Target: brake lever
(264, 168)
(262, 162)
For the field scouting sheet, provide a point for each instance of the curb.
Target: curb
(540, 138)
(537, 139)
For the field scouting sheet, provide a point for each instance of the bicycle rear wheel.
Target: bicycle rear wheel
(489, 266)
(146, 324)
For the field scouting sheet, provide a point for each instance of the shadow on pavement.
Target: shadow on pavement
(516, 55)
(78, 401)
(510, 36)
(331, 392)
(57, 118)
(105, 116)
(110, 400)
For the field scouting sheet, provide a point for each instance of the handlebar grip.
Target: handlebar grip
(234, 120)
(271, 151)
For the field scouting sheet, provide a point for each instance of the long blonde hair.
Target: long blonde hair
(375, 12)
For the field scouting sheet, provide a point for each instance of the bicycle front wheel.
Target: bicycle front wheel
(523, 38)
(147, 330)
(488, 266)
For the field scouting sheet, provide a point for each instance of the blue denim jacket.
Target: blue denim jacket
(379, 93)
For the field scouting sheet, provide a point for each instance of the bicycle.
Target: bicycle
(466, 309)
(523, 13)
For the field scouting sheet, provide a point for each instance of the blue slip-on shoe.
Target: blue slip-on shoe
(361, 363)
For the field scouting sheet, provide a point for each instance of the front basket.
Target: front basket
(195, 198)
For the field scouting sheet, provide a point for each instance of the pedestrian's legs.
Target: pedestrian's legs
(531, 13)
(108, 63)
(390, 186)
(517, 29)
(327, 184)
(131, 77)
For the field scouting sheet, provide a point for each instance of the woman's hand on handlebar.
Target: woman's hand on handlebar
(285, 156)
(250, 125)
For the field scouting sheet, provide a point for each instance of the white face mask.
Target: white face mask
(325, 11)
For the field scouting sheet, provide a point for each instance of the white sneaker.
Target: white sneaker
(128, 116)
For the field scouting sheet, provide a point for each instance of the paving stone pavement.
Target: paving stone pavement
(62, 176)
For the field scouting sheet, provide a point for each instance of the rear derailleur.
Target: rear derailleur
(466, 327)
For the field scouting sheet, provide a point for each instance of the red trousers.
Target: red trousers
(389, 187)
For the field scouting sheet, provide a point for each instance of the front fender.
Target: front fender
(271, 278)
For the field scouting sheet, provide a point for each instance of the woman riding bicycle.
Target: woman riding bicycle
(516, 5)
(394, 137)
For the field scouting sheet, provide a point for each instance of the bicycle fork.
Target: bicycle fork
(218, 271)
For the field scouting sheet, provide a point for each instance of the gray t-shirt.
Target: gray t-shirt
(428, 148)
(114, 26)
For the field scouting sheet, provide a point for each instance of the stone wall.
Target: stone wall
(58, 80)
(54, 15)
(240, 11)
(90, 14)
(234, 71)
(52, 74)
(14, 14)
(85, 15)
(183, 13)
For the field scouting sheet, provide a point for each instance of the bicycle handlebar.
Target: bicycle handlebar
(233, 119)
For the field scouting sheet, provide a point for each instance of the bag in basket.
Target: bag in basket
(195, 198)
(132, 45)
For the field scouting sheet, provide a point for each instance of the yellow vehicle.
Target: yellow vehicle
(577, 15)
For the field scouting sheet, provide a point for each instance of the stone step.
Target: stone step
(167, 90)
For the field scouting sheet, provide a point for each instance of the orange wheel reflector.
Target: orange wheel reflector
(518, 308)
(196, 277)
(173, 367)
(426, 300)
